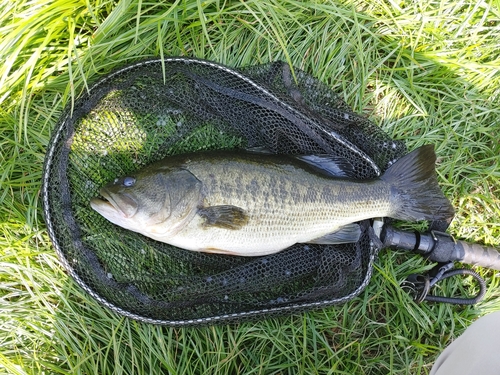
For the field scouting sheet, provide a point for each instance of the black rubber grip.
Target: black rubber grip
(478, 255)
(441, 247)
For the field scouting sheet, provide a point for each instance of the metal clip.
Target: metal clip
(420, 285)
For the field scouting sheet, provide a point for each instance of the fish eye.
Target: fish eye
(128, 181)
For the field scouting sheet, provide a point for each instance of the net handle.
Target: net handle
(440, 247)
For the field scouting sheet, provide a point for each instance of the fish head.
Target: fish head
(152, 203)
(132, 201)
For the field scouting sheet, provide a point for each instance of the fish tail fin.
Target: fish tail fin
(416, 193)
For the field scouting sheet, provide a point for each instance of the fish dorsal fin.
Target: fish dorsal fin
(330, 165)
(224, 216)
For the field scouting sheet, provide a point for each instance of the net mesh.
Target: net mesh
(156, 108)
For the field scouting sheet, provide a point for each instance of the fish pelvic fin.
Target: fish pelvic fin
(415, 190)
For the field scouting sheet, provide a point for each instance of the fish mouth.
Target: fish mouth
(101, 203)
(106, 203)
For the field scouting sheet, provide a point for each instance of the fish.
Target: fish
(253, 203)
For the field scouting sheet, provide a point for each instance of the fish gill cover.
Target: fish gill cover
(153, 109)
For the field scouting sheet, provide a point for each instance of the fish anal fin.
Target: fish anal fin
(347, 234)
(224, 216)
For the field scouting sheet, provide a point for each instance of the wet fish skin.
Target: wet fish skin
(252, 204)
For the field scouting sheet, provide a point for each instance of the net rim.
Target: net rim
(48, 166)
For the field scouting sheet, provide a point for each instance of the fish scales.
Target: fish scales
(286, 202)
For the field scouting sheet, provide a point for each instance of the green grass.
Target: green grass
(427, 72)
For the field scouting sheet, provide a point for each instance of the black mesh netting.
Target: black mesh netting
(152, 109)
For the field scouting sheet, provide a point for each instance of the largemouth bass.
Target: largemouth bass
(252, 204)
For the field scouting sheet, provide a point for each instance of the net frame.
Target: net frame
(306, 103)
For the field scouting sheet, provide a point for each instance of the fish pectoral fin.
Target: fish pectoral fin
(347, 234)
(224, 216)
